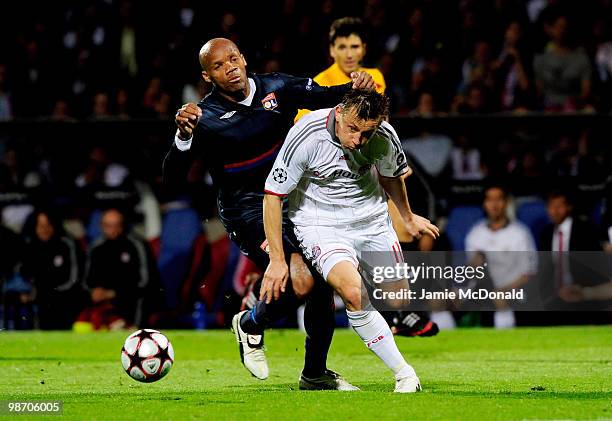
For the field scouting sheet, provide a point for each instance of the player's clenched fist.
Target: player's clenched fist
(362, 80)
(186, 119)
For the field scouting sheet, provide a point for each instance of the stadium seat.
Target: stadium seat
(534, 215)
(180, 228)
(460, 221)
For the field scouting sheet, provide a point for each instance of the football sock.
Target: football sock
(262, 315)
(375, 333)
(319, 322)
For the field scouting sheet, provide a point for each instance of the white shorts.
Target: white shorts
(366, 245)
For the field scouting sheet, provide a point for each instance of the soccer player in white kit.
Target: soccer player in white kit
(337, 166)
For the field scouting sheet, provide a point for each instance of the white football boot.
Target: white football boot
(408, 385)
(251, 349)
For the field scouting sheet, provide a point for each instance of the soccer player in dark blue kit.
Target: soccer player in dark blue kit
(238, 130)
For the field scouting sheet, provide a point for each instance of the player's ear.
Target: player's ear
(332, 51)
(364, 45)
(243, 59)
(206, 77)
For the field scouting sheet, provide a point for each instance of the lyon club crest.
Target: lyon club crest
(269, 102)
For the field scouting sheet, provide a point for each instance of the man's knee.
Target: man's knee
(302, 286)
(301, 278)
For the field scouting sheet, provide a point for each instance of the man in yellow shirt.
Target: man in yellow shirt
(348, 48)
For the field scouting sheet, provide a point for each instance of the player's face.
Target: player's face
(348, 52)
(558, 209)
(352, 131)
(495, 204)
(226, 69)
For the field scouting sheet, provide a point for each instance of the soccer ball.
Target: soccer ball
(147, 355)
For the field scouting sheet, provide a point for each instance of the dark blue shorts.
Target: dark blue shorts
(251, 239)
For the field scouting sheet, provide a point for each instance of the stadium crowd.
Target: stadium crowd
(115, 247)
(122, 59)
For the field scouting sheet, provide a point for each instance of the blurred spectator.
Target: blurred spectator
(466, 160)
(477, 100)
(128, 51)
(506, 246)
(571, 157)
(478, 67)
(6, 107)
(19, 186)
(156, 101)
(105, 183)
(52, 265)
(511, 70)
(562, 71)
(101, 110)
(567, 233)
(122, 99)
(429, 75)
(432, 151)
(120, 275)
(528, 176)
(425, 107)
(61, 111)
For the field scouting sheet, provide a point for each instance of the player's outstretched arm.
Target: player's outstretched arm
(276, 275)
(306, 93)
(416, 225)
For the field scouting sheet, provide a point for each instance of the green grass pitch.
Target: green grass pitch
(469, 374)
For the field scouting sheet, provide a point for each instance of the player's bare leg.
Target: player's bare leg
(371, 326)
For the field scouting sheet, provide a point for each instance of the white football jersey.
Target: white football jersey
(327, 184)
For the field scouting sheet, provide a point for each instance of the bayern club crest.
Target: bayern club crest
(269, 102)
(316, 252)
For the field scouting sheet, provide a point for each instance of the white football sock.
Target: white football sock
(375, 333)
(444, 319)
(504, 319)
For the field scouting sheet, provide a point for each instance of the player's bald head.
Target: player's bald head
(213, 46)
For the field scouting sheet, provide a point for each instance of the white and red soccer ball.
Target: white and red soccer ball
(147, 355)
